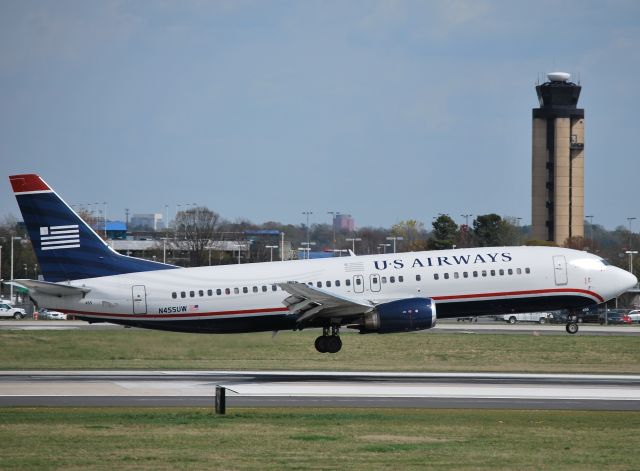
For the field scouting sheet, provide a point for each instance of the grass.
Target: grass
(141, 349)
(114, 438)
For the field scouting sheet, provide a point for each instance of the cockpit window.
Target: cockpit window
(606, 262)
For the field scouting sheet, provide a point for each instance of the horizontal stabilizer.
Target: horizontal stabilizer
(51, 289)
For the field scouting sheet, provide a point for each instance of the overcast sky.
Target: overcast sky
(385, 110)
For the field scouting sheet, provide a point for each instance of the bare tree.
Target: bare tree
(194, 231)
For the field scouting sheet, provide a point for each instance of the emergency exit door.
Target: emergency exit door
(560, 269)
(139, 294)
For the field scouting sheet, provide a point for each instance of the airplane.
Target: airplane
(400, 292)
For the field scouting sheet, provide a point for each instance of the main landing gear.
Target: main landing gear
(329, 343)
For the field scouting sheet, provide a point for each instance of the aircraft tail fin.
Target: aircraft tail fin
(66, 247)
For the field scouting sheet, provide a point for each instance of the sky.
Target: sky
(385, 110)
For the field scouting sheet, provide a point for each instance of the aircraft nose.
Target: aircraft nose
(630, 280)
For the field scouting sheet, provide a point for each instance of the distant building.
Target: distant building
(344, 222)
(152, 221)
(558, 161)
(116, 230)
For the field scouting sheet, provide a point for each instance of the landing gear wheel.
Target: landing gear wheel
(571, 327)
(512, 320)
(334, 344)
(321, 344)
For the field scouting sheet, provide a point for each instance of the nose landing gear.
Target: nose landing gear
(572, 324)
(329, 343)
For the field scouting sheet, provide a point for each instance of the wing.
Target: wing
(311, 303)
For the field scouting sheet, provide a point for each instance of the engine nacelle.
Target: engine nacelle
(403, 315)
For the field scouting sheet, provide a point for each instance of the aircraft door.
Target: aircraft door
(139, 295)
(374, 282)
(358, 284)
(560, 269)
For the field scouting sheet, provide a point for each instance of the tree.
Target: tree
(488, 230)
(413, 234)
(195, 228)
(445, 233)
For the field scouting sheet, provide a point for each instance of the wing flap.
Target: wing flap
(310, 303)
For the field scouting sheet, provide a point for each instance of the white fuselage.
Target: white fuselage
(235, 298)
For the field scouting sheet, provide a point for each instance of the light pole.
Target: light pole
(307, 213)
(631, 254)
(394, 239)
(271, 247)
(630, 219)
(11, 285)
(334, 215)
(353, 241)
(466, 218)
(105, 219)
(590, 218)
(282, 246)
(239, 247)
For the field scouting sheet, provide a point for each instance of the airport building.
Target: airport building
(558, 161)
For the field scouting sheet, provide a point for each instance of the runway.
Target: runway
(483, 326)
(320, 389)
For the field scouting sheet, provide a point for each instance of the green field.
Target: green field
(142, 349)
(109, 439)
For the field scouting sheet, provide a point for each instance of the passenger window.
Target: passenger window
(264, 288)
(218, 291)
(374, 280)
(400, 279)
(493, 273)
(418, 277)
(192, 294)
(255, 289)
(358, 281)
(245, 290)
(347, 282)
(338, 283)
(209, 292)
(446, 276)
(384, 280)
(465, 274)
(436, 276)
(519, 271)
(328, 284)
(501, 271)
(227, 291)
(319, 284)
(475, 274)
(201, 292)
(274, 288)
(456, 275)
(527, 271)
(173, 295)
(236, 290)
(484, 272)
(510, 271)
(310, 283)
(392, 279)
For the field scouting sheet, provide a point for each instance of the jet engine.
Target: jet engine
(403, 315)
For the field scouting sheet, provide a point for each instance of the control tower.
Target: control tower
(558, 161)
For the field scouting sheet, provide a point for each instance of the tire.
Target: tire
(321, 344)
(542, 321)
(334, 344)
(512, 320)
(571, 328)
(17, 316)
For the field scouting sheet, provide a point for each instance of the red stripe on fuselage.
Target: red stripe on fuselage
(178, 316)
(519, 293)
(284, 309)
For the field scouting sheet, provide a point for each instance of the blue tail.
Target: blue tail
(66, 247)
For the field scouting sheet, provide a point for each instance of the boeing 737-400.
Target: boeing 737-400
(400, 292)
